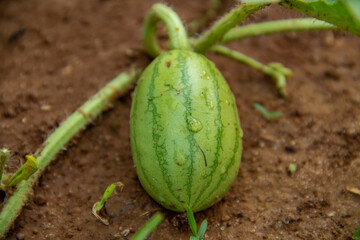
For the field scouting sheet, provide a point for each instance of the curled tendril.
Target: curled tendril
(176, 30)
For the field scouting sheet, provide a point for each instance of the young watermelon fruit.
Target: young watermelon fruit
(185, 131)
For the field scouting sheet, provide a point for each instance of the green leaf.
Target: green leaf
(343, 13)
(357, 235)
(23, 173)
(194, 238)
(192, 221)
(202, 229)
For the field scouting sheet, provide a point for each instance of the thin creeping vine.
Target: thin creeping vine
(68, 129)
(223, 31)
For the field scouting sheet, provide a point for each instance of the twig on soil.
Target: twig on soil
(353, 190)
(68, 129)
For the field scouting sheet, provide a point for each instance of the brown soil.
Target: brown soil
(55, 54)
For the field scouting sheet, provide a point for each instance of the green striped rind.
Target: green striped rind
(182, 110)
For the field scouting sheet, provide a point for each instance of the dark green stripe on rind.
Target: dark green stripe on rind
(182, 65)
(145, 173)
(218, 122)
(218, 189)
(161, 151)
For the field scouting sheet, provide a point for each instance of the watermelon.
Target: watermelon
(185, 131)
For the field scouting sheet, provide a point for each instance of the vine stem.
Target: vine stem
(176, 30)
(68, 129)
(276, 71)
(266, 28)
(230, 20)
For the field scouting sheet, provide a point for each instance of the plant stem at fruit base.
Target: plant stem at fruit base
(276, 71)
(176, 30)
(62, 135)
(279, 26)
(148, 227)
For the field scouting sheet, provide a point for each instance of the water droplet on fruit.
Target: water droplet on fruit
(211, 105)
(180, 157)
(195, 125)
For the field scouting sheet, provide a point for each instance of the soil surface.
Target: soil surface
(55, 54)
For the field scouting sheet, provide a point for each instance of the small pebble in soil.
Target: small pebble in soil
(16, 35)
(69, 235)
(116, 236)
(40, 200)
(240, 215)
(20, 236)
(290, 149)
(126, 232)
(2, 196)
(35, 231)
(225, 218)
(45, 108)
(332, 74)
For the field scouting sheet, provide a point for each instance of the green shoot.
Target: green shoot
(4, 154)
(148, 227)
(265, 113)
(193, 226)
(25, 171)
(292, 167)
(99, 205)
(357, 234)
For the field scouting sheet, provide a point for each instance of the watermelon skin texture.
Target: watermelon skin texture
(186, 137)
